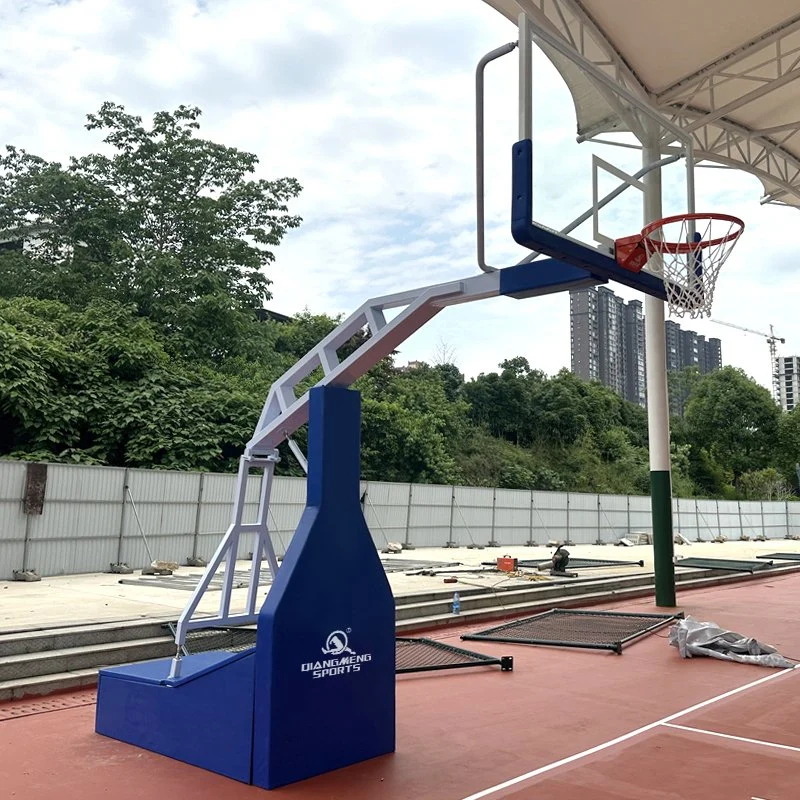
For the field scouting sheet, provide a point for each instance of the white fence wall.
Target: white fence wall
(91, 516)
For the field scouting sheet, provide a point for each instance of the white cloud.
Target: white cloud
(371, 107)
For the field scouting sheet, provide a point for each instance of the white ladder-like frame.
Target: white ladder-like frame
(284, 413)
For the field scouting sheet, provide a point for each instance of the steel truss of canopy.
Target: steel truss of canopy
(724, 71)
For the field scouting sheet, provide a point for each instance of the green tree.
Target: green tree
(763, 484)
(452, 380)
(789, 446)
(734, 420)
(97, 386)
(680, 385)
(168, 222)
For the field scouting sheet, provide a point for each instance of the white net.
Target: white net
(687, 252)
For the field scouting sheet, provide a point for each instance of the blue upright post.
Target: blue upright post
(325, 658)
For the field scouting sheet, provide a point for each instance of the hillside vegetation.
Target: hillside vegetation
(132, 333)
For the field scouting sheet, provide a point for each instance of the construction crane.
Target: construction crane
(772, 340)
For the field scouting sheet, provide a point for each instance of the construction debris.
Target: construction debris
(635, 538)
(27, 575)
(160, 568)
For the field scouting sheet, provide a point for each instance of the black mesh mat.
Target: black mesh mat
(412, 655)
(731, 564)
(597, 630)
(782, 556)
(424, 655)
(232, 639)
(405, 564)
(584, 563)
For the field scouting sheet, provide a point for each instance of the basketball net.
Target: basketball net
(687, 253)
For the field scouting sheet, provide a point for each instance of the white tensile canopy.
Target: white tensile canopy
(723, 70)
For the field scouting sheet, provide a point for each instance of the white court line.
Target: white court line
(735, 738)
(630, 735)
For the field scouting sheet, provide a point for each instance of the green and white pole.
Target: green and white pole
(657, 403)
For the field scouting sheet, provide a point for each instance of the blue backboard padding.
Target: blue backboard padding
(544, 276)
(207, 721)
(309, 721)
(551, 243)
(192, 667)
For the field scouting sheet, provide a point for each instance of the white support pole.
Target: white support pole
(525, 78)
(657, 401)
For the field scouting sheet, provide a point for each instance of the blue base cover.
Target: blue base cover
(325, 655)
(318, 691)
(204, 718)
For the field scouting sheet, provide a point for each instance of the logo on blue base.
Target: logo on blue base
(344, 659)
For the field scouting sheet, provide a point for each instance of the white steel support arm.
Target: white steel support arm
(284, 413)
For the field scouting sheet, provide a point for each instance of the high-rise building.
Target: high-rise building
(787, 372)
(672, 337)
(611, 339)
(608, 345)
(635, 363)
(688, 349)
(584, 337)
(713, 354)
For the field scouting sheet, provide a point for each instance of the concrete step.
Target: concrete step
(531, 607)
(488, 597)
(41, 685)
(511, 606)
(13, 643)
(28, 665)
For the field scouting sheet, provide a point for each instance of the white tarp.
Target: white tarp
(695, 638)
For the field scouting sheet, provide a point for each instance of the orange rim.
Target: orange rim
(690, 247)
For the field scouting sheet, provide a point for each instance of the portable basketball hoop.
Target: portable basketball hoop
(687, 251)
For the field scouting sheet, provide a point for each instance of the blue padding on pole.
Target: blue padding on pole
(325, 653)
(551, 243)
(206, 721)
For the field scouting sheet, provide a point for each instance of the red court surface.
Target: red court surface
(566, 724)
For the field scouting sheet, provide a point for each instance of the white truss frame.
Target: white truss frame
(284, 412)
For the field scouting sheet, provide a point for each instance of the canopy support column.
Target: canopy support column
(657, 401)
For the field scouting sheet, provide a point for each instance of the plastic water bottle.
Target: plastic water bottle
(456, 603)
